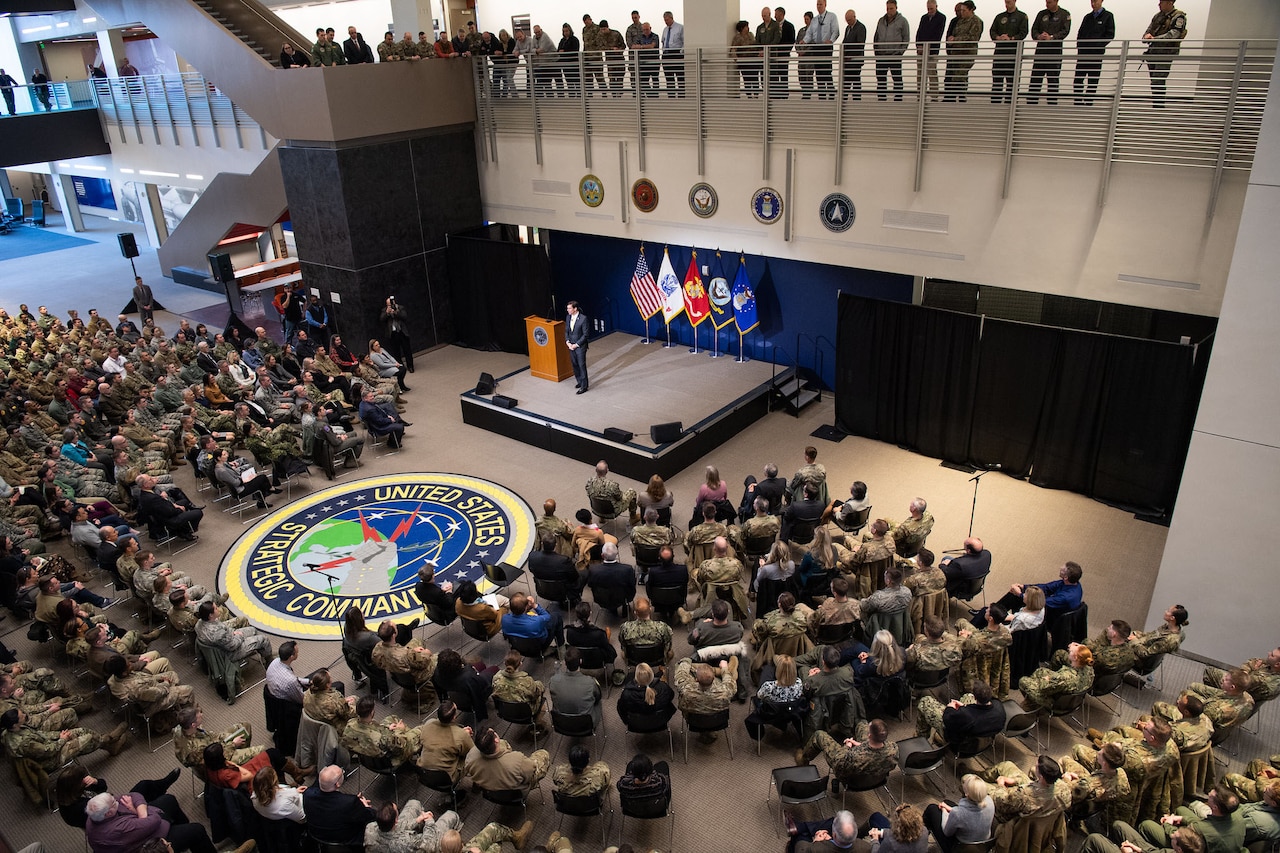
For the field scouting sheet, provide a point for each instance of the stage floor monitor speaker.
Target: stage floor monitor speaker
(486, 384)
(504, 401)
(621, 436)
(666, 433)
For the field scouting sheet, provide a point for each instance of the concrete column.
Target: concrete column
(414, 16)
(153, 216)
(1230, 482)
(708, 23)
(64, 189)
(111, 43)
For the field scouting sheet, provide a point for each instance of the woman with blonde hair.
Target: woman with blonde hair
(776, 566)
(1032, 613)
(646, 698)
(714, 489)
(823, 556)
(656, 495)
(276, 801)
(967, 822)
(785, 685)
(902, 833)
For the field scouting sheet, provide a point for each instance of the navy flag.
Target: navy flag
(721, 296)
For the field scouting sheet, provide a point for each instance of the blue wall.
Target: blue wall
(792, 296)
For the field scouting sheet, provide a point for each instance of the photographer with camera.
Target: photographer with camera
(395, 319)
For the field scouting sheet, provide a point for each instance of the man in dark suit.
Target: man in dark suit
(972, 564)
(432, 594)
(771, 488)
(575, 334)
(356, 49)
(668, 572)
(381, 422)
(143, 299)
(332, 816)
(182, 521)
(546, 565)
(837, 833)
(808, 511)
(610, 574)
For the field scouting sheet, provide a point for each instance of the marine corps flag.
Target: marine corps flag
(744, 300)
(696, 304)
(672, 292)
(720, 295)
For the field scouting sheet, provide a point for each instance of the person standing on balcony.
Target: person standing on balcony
(6, 88)
(929, 34)
(854, 48)
(291, 59)
(1051, 28)
(768, 33)
(822, 33)
(356, 49)
(1167, 29)
(388, 50)
(673, 55)
(325, 52)
(1097, 29)
(41, 84)
(568, 58)
(127, 69)
(1007, 30)
(961, 48)
(893, 34)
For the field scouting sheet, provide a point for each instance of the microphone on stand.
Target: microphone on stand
(552, 316)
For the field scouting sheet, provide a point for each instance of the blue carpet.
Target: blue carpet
(26, 240)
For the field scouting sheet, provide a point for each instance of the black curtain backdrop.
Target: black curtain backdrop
(904, 375)
(1106, 416)
(495, 282)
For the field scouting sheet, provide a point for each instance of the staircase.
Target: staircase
(793, 390)
(246, 22)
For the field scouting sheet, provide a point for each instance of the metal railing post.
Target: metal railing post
(764, 124)
(1112, 124)
(586, 124)
(838, 54)
(1013, 117)
(922, 85)
(1226, 129)
(635, 81)
(701, 112)
(533, 104)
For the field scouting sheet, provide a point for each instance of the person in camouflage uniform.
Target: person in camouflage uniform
(700, 538)
(935, 649)
(408, 48)
(489, 839)
(183, 614)
(51, 750)
(512, 684)
(580, 778)
(1017, 794)
(1258, 776)
(1165, 639)
(321, 702)
(1106, 787)
(144, 578)
(812, 472)
(643, 630)
(1192, 729)
(985, 653)
(600, 487)
(151, 694)
(557, 527)
(594, 65)
(720, 570)
(414, 659)
(869, 751)
(30, 677)
(408, 830)
(761, 525)
(1112, 650)
(391, 739)
(781, 631)
(1228, 705)
(700, 689)
(908, 536)
(1041, 687)
(932, 718)
(651, 533)
(920, 575)
(873, 550)
(44, 713)
(239, 643)
(388, 49)
(1152, 757)
(837, 609)
(190, 739)
(1264, 676)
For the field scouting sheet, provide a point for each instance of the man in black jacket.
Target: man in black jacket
(546, 565)
(973, 715)
(181, 521)
(332, 816)
(974, 563)
(356, 49)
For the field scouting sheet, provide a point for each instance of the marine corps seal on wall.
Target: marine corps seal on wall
(644, 194)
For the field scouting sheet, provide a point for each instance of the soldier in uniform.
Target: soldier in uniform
(962, 47)
(811, 472)
(600, 487)
(1151, 757)
(1258, 777)
(240, 643)
(50, 715)
(29, 677)
(326, 51)
(973, 715)
(557, 527)
(512, 684)
(643, 630)
(721, 568)
(781, 631)
(190, 739)
(1112, 650)
(51, 750)
(152, 694)
(391, 738)
(184, 617)
(1009, 27)
(1192, 730)
(910, 534)
(876, 549)
(1264, 675)
(493, 765)
(837, 609)
(1041, 687)
(408, 830)
(1165, 639)
(1226, 706)
(762, 525)
(981, 648)
(700, 689)
(413, 659)
(489, 839)
(651, 533)
(580, 778)
(321, 702)
(935, 649)
(445, 744)
(920, 575)
(148, 570)
(1167, 29)
(408, 47)
(869, 751)
(388, 50)
(1017, 794)
(700, 536)
(1106, 786)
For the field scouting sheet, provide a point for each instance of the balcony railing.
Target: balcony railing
(1201, 108)
(47, 97)
(159, 104)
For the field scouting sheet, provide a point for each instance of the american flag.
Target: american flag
(644, 290)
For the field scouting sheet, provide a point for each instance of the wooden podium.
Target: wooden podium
(548, 353)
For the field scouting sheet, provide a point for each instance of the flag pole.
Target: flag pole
(668, 343)
(695, 339)
(715, 342)
(646, 339)
(742, 356)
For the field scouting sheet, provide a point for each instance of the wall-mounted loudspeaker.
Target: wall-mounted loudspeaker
(128, 244)
(666, 433)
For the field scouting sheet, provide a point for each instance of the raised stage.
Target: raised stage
(633, 386)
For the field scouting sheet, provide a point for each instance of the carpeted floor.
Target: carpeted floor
(25, 240)
(719, 803)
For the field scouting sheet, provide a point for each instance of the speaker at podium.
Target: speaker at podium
(548, 352)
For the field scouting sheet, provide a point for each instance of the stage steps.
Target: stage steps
(793, 391)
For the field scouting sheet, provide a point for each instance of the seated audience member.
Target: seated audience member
(1264, 674)
(494, 766)
(824, 558)
(716, 635)
(580, 778)
(150, 694)
(325, 704)
(1041, 687)
(461, 682)
(274, 800)
(75, 787)
(1105, 789)
(411, 829)
(1060, 596)
(128, 823)
(51, 750)
(835, 833)
(772, 488)
(983, 651)
(445, 744)
(1168, 637)
(645, 697)
(512, 684)
(379, 421)
(611, 575)
(974, 715)
(909, 535)
(239, 643)
(643, 630)
(602, 488)
(1216, 827)
(546, 564)
(968, 821)
(391, 739)
(528, 620)
(469, 604)
(974, 563)
(432, 594)
(1032, 613)
(1017, 794)
(936, 649)
(644, 778)
(1228, 705)
(802, 514)
(549, 523)
(902, 833)
(700, 689)
(777, 565)
(332, 816)
(869, 752)
(668, 572)
(585, 635)
(893, 598)
(573, 691)
(846, 510)
(1113, 651)
(223, 773)
(191, 738)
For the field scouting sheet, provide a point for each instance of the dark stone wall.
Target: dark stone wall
(371, 221)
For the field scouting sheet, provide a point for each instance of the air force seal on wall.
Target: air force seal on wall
(837, 212)
(297, 571)
(766, 205)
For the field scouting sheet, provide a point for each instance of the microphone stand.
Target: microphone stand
(976, 479)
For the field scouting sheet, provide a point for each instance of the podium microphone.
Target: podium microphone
(551, 318)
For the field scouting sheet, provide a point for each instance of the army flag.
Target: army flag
(644, 290)
(744, 301)
(672, 292)
(720, 296)
(696, 305)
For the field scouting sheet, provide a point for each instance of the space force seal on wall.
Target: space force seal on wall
(297, 571)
